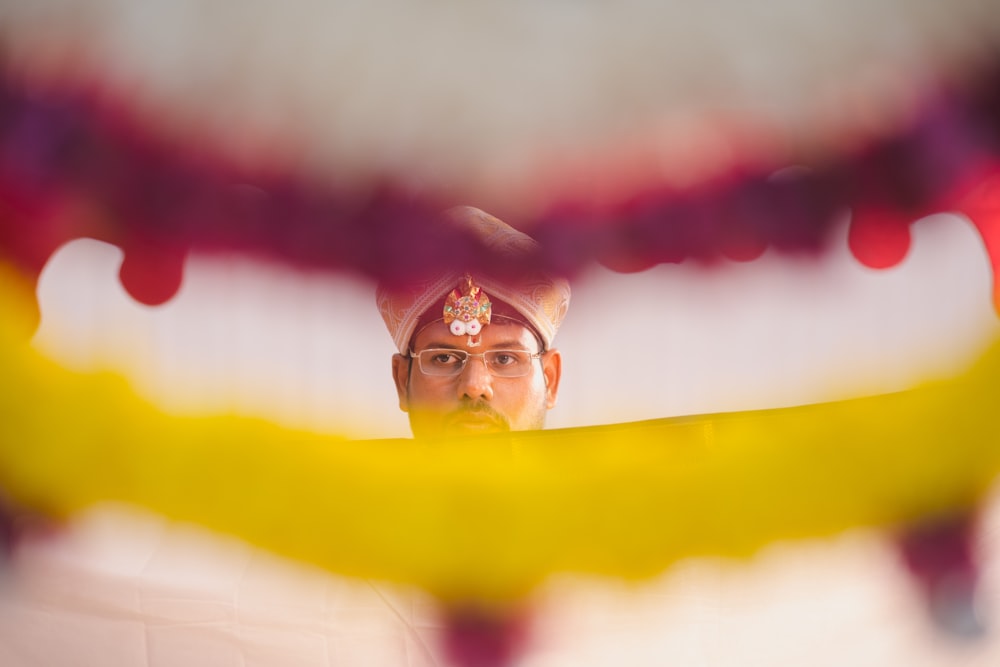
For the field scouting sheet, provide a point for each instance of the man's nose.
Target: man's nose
(475, 380)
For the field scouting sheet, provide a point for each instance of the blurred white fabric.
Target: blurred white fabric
(126, 589)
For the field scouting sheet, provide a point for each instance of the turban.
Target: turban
(539, 298)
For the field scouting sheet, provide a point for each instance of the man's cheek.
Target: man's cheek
(428, 400)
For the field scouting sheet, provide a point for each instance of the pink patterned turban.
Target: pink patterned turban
(540, 299)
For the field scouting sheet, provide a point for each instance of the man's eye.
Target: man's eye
(445, 359)
(506, 359)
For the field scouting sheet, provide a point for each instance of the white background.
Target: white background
(309, 350)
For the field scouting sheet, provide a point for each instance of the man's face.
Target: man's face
(475, 400)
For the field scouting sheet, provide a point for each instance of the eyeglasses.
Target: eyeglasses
(449, 363)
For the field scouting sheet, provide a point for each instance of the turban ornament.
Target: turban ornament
(467, 310)
(538, 298)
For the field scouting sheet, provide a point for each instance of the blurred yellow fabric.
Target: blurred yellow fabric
(492, 518)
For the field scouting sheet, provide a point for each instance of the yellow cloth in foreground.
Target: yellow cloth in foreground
(489, 519)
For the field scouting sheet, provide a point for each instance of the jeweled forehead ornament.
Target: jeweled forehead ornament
(467, 310)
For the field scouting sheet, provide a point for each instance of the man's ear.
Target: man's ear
(401, 375)
(552, 370)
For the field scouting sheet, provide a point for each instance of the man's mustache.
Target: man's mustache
(480, 408)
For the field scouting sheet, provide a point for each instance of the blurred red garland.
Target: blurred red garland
(72, 165)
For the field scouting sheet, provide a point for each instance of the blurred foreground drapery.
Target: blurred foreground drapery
(490, 521)
(327, 135)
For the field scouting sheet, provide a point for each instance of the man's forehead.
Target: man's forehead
(502, 333)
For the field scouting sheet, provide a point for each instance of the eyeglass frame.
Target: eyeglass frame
(411, 355)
